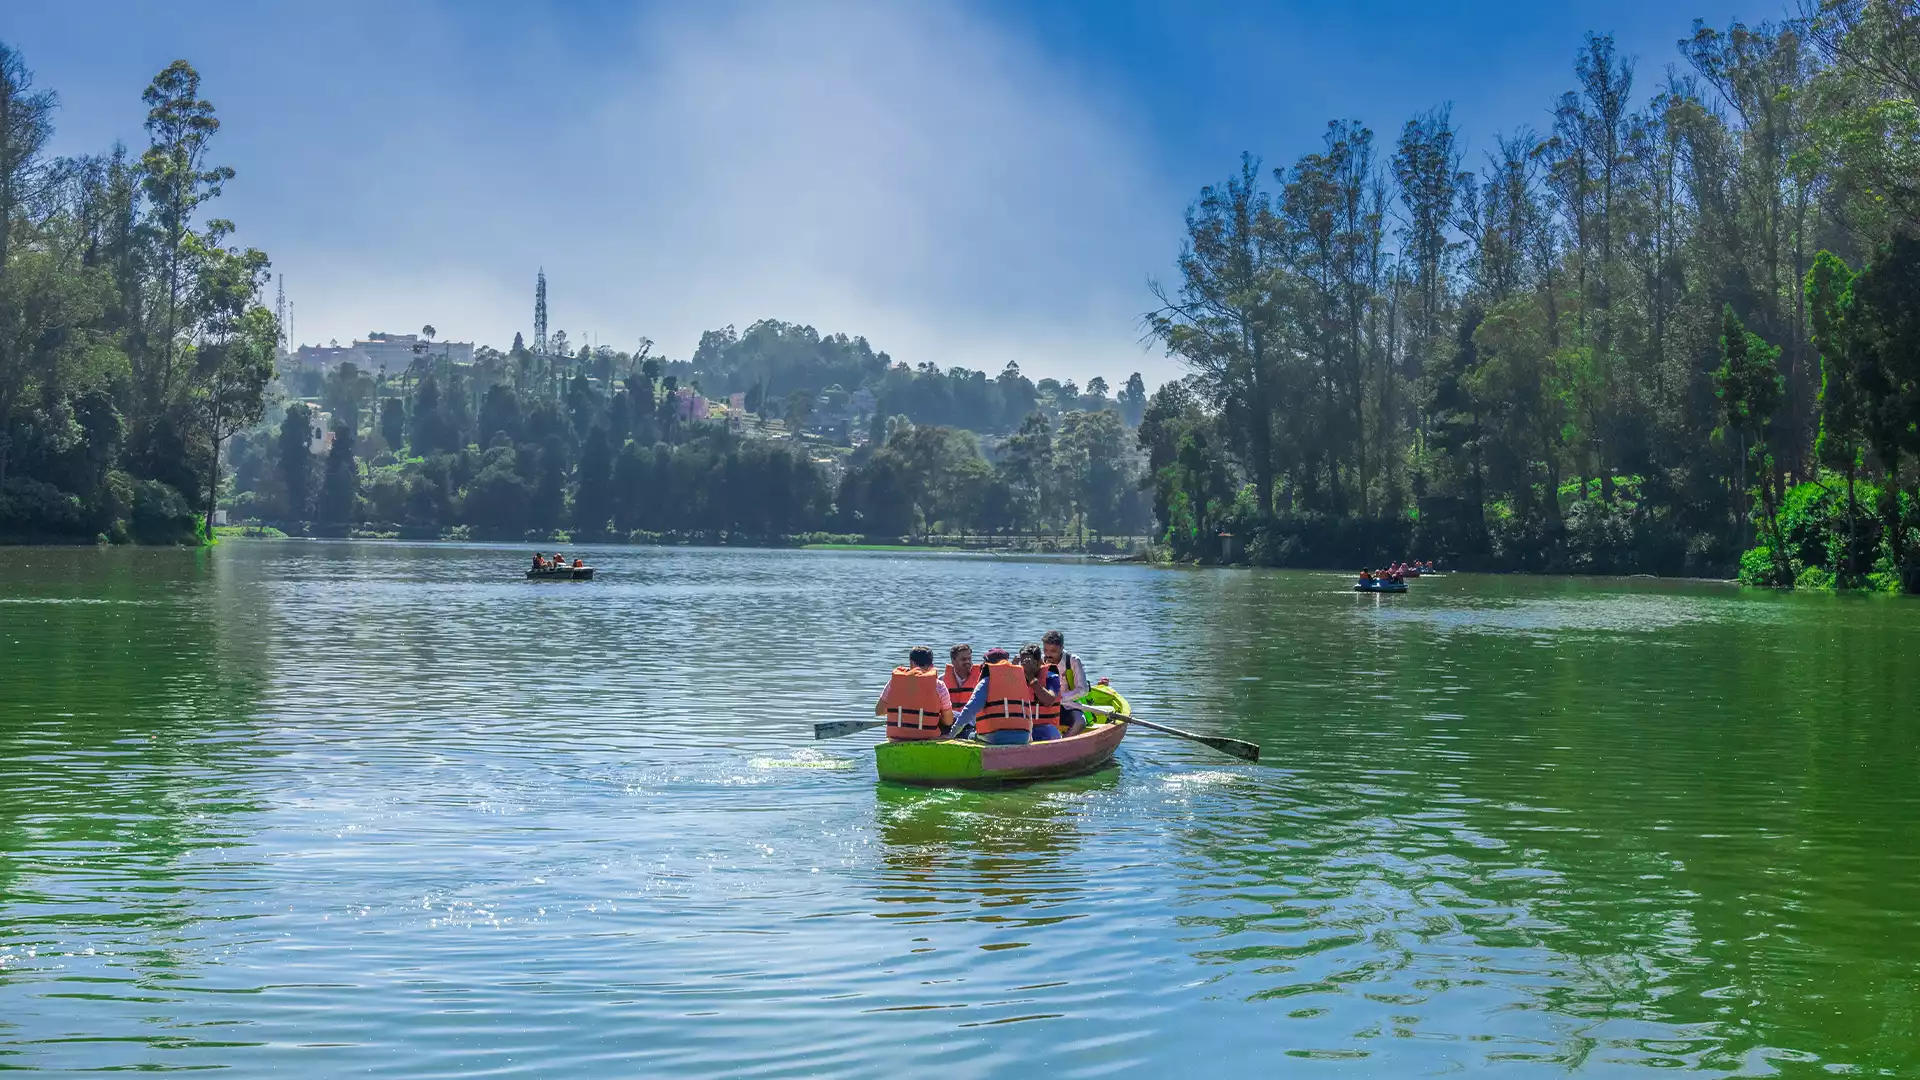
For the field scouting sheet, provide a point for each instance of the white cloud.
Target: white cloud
(905, 171)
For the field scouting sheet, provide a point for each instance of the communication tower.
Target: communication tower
(280, 314)
(540, 314)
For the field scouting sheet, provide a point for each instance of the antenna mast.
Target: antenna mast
(280, 315)
(540, 314)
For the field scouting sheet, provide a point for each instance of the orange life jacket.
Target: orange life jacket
(1009, 705)
(1049, 714)
(913, 704)
(960, 692)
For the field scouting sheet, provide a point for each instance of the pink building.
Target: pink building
(689, 405)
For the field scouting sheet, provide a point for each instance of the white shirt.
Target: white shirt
(1079, 681)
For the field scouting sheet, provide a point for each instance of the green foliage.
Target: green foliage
(32, 510)
(1619, 300)
(340, 484)
(1759, 567)
(161, 515)
(1816, 578)
(132, 347)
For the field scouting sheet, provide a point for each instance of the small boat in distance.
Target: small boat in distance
(1379, 586)
(561, 573)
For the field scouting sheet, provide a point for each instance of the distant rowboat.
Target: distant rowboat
(1380, 586)
(561, 573)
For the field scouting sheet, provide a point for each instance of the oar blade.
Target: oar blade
(835, 728)
(1245, 751)
(1239, 748)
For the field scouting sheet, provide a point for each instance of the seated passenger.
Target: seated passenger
(916, 706)
(1001, 705)
(1044, 684)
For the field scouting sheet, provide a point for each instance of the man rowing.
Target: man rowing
(1073, 677)
(915, 704)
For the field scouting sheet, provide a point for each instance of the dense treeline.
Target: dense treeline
(131, 344)
(1634, 342)
(441, 455)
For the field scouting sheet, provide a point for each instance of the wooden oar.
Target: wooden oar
(836, 728)
(1245, 751)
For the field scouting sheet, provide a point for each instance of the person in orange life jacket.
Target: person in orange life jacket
(1044, 683)
(1073, 677)
(961, 677)
(915, 704)
(1001, 706)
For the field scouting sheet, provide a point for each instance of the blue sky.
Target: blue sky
(963, 183)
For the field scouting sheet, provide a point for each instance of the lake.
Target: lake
(327, 808)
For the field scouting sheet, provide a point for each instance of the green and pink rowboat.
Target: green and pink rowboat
(964, 763)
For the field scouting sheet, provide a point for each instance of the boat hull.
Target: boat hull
(1380, 588)
(964, 763)
(565, 573)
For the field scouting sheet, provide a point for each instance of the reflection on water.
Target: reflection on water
(331, 808)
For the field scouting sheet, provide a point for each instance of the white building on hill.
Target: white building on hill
(392, 352)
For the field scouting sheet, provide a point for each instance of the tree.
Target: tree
(500, 414)
(177, 182)
(1749, 387)
(296, 459)
(232, 371)
(1025, 469)
(1089, 457)
(393, 424)
(1225, 321)
(593, 502)
(1843, 399)
(340, 486)
(346, 389)
(1132, 400)
(430, 427)
(799, 409)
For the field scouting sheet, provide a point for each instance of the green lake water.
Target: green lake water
(318, 809)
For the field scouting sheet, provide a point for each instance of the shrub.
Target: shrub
(30, 508)
(1756, 568)
(161, 515)
(1815, 578)
(1600, 538)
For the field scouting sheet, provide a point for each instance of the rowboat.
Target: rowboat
(1379, 586)
(965, 763)
(561, 573)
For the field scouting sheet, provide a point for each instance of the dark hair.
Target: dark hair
(996, 654)
(1033, 651)
(1054, 637)
(954, 653)
(921, 656)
